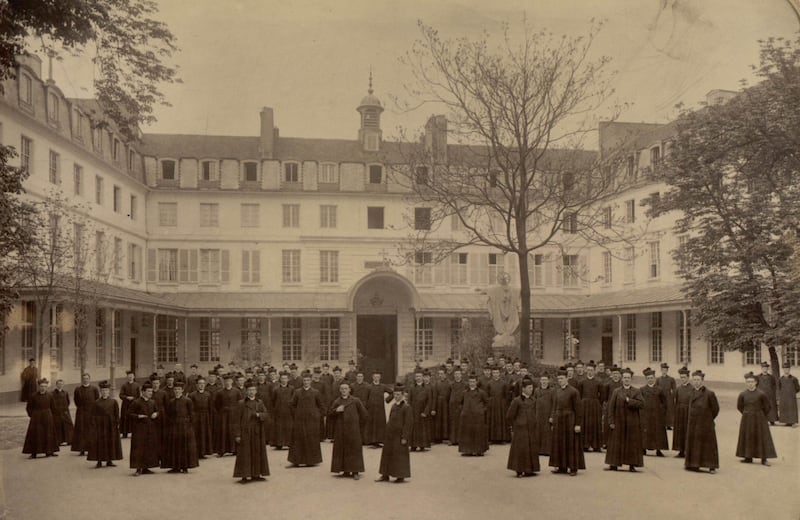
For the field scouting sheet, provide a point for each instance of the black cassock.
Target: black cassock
(395, 459)
(225, 402)
(457, 389)
(625, 444)
(420, 400)
(105, 444)
(250, 421)
(608, 391)
(127, 393)
(544, 405)
(566, 448)
(29, 378)
(755, 439)
(41, 434)
(701, 435)
(322, 388)
(145, 438)
(375, 430)
(788, 386)
(307, 408)
(683, 396)
(347, 447)
(523, 457)
(653, 416)
(281, 434)
(84, 398)
(201, 421)
(180, 450)
(767, 384)
(473, 437)
(498, 392)
(441, 405)
(667, 384)
(61, 416)
(591, 422)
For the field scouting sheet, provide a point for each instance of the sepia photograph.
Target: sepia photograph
(523, 258)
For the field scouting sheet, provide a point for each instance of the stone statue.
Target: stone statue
(503, 306)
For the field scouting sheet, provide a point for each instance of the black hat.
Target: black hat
(31, 359)
(562, 371)
(376, 370)
(250, 383)
(155, 377)
(683, 370)
(750, 375)
(765, 364)
(293, 367)
(317, 370)
(615, 368)
(325, 365)
(271, 370)
(212, 373)
(664, 365)
(786, 364)
(591, 364)
(128, 372)
(147, 385)
(579, 362)
(351, 362)
(698, 373)
(193, 365)
(526, 381)
(305, 374)
(648, 372)
(179, 384)
(227, 375)
(399, 387)
(627, 370)
(426, 372)
(336, 368)
(42, 381)
(448, 360)
(104, 384)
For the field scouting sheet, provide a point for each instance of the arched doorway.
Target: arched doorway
(383, 303)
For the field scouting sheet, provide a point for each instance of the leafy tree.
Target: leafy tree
(734, 174)
(520, 110)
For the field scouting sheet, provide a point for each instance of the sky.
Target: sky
(310, 60)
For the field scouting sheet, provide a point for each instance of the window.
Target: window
(100, 251)
(78, 248)
(117, 256)
(117, 199)
(421, 175)
(458, 269)
(250, 215)
(166, 339)
(167, 265)
(492, 179)
(753, 356)
(422, 218)
(117, 338)
(290, 266)
(607, 325)
(78, 332)
(77, 179)
(134, 208)
(78, 130)
(630, 167)
(329, 339)
(97, 138)
(251, 266)
(630, 211)
(57, 331)
(251, 172)
(655, 156)
(25, 92)
(210, 266)
(131, 159)
(327, 216)
(376, 174)
(455, 338)
(538, 271)
(168, 214)
(25, 148)
(291, 173)
(455, 223)
(607, 217)
(28, 331)
(116, 150)
(208, 172)
(655, 336)
(291, 215)
(423, 343)
(423, 274)
(52, 108)
(291, 339)
(168, 170)
(682, 259)
(607, 268)
(372, 142)
(570, 224)
(571, 329)
(374, 218)
(328, 174)
(251, 339)
(209, 339)
(685, 347)
(209, 214)
(134, 263)
(100, 338)
(98, 190)
(537, 338)
(630, 264)
(716, 352)
(630, 337)
(55, 173)
(570, 272)
(791, 354)
(495, 267)
(655, 259)
(329, 266)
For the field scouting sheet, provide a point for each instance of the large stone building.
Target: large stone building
(272, 248)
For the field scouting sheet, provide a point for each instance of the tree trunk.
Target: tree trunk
(525, 306)
(774, 362)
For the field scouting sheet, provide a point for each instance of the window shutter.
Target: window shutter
(255, 266)
(583, 271)
(245, 266)
(151, 265)
(483, 268)
(440, 271)
(193, 265)
(225, 266)
(183, 265)
(549, 272)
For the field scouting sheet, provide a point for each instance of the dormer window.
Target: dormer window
(25, 89)
(655, 155)
(168, 170)
(78, 130)
(52, 108)
(131, 159)
(291, 173)
(208, 171)
(376, 174)
(631, 167)
(328, 174)
(97, 138)
(116, 148)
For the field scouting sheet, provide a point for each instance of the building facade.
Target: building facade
(268, 248)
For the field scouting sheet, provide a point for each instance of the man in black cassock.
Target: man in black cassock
(395, 458)
(349, 414)
(104, 444)
(225, 402)
(307, 408)
(523, 457)
(441, 403)
(788, 387)
(145, 437)
(29, 379)
(180, 452)
(755, 439)
(591, 391)
(566, 448)
(41, 434)
(455, 402)
(127, 393)
(544, 405)
(473, 436)
(613, 382)
(668, 385)
(767, 384)
(202, 404)
(653, 415)
(420, 401)
(281, 413)
(84, 398)
(61, 416)
(701, 435)
(249, 424)
(375, 430)
(497, 390)
(625, 443)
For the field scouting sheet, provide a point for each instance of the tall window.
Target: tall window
(716, 352)
(630, 337)
(250, 215)
(422, 218)
(98, 189)
(328, 339)
(685, 349)
(655, 156)
(78, 248)
(251, 172)
(291, 215)
(421, 174)
(655, 259)
(538, 271)
(608, 272)
(375, 218)
(630, 167)
(455, 338)
(458, 269)
(55, 168)
(251, 339)
(291, 339)
(791, 355)
(25, 149)
(209, 339)
(570, 224)
(209, 214)
(570, 270)
(134, 207)
(251, 266)
(57, 331)
(28, 331)
(329, 266)
(25, 90)
(423, 274)
(78, 125)
(168, 170)
(423, 344)
(291, 173)
(117, 199)
(100, 251)
(327, 216)
(537, 338)
(166, 339)
(117, 256)
(210, 266)
(571, 332)
(117, 337)
(328, 174)
(134, 262)
(208, 171)
(607, 217)
(682, 263)
(77, 179)
(97, 138)
(167, 214)
(376, 174)
(496, 267)
(116, 149)
(100, 338)
(655, 336)
(290, 265)
(167, 265)
(630, 264)
(630, 211)
(753, 356)
(53, 108)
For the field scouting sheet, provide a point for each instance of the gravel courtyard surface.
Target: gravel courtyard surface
(443, 486)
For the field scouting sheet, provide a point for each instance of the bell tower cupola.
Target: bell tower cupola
(370, 109)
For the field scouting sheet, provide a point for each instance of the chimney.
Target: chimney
(436, 138)
(719, 97)
(268, 133)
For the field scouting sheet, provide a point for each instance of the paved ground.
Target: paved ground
(443, 486)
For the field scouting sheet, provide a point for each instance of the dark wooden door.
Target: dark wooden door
(133, 354)
(608, 350)
(376, 339)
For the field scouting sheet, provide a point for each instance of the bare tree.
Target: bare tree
(518, 178)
